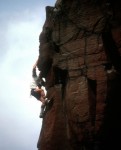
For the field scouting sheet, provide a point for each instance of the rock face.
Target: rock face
(80, 47)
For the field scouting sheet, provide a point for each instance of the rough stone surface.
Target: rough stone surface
(80, 47)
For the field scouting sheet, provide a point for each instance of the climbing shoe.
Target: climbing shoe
(41, 115)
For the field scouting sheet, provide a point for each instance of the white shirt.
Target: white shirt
(33, 83)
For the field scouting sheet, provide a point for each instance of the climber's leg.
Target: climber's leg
(42, 110)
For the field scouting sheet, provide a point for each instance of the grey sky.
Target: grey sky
(21, 22)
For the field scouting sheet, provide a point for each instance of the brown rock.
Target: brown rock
(79, 46)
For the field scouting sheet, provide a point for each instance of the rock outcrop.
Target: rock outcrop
(80, 47)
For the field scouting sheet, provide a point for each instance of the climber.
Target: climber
(36, 89)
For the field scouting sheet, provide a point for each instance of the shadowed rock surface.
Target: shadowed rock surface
(80, 47)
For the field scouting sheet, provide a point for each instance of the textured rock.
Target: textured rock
(80, 48)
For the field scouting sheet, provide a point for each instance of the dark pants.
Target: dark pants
(35, 94)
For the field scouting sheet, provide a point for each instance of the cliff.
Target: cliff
(79, 56)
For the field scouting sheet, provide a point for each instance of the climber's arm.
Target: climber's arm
(38, 90)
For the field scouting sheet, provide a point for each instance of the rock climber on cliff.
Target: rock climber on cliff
(36, 89)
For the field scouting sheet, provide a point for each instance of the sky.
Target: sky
(21, 23)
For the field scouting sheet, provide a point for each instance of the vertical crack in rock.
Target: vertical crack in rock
(79, 56)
